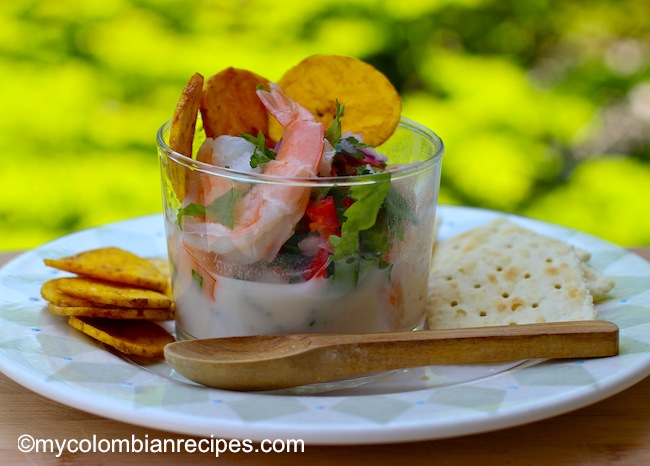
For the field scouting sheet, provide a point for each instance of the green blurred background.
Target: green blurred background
(544, 105)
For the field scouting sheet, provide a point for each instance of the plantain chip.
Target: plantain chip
(115, 265)
(372, 104)
(181, 134)
(122, 313)
(138, 337)
(114, 294)
(51, 292)
(163, 267)
(230, 106)
(183, 125)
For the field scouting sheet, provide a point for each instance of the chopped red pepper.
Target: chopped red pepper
(318, 265)
(323, 217)
(345, 164)
(347, 202)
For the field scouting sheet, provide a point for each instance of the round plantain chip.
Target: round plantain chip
(138, 337)
(122, 313)
(230, 106)
(163, 267)
(372, 104)
(182, 131)
(116, 265)
(183, 125)
(161, 264)
(51, 292)
(114, 294)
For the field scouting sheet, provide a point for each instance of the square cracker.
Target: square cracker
(503, 274)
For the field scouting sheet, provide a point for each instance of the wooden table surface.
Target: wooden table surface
(613, 431)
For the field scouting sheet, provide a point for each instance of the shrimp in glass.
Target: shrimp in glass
(264, 218)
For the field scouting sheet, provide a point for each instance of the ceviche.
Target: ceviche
(315, 231)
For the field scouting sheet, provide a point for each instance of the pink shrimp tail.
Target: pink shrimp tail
(282, 107)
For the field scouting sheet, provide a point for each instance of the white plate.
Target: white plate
(41, 352)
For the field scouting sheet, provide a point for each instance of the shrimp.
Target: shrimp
(265, 218)
(198, 183)
(224, 151)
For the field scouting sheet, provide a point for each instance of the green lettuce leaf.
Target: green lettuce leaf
(349, 260)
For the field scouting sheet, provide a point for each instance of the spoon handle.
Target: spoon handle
(556, 340)
(268, 362)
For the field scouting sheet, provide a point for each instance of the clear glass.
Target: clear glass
(229, 281)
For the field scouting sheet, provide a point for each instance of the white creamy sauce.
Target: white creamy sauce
(385, 300)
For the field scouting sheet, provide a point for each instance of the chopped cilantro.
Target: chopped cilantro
(221, 209)
(350, 146)
(191, 210)
(261, 154)
(197, 278)
(367, 169)
(333, 133)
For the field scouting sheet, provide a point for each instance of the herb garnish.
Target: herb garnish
(197, 278)
(333, 133)
(349, 258)
(350, 146)
(222, 209)
(261, 154)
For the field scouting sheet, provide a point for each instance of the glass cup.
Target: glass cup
(257, 254)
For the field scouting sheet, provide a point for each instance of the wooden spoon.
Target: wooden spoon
(266, 362)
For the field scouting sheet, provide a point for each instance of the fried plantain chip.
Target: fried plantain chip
(138, 337)
(163, 267)
(51, 292)
(122, 313)
(183, 125)
(372, 104)
(115, 265)
(161, 264)
(114, 294)
(229, 104)
(181, 133)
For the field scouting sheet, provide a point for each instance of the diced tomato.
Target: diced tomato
(323, 217)
(347, 202)
(303, 224)
(345, 164)
(318, 265)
